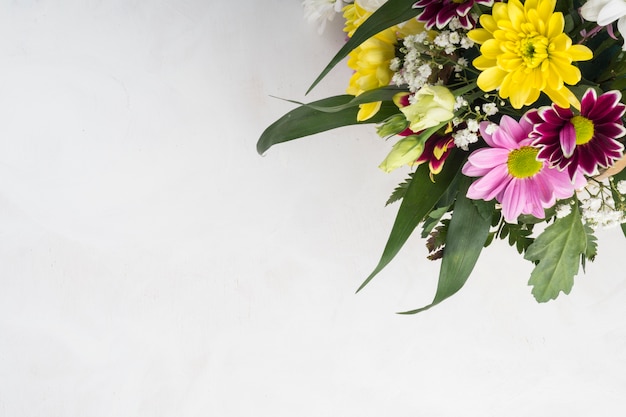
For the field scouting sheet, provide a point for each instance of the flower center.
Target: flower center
(459, 1)
(533, 50)
(522, 162)
(584, 129)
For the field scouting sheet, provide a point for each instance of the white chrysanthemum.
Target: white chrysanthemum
(321, 11)
(621, 186)
(605, 12)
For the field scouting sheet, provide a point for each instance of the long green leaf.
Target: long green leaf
(466, 237)
(557, 251)
(421, 196)
(379, 94)
(306, 120)
(389, 14)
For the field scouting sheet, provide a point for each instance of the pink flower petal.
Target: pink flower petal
(489, 157)
(567, 138)
(603, 105)
(483, 127)
(588, 101)
(543, 189)
(513, 129)
(513, 201)
(490, 185)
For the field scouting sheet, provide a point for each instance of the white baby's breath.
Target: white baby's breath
(598, 206)
(563, 210)
(463, 138)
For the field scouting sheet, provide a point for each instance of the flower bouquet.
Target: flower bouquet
(509, 116)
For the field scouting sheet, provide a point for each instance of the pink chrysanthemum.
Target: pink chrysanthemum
(586, 141)
(511, 172)
(440, 13)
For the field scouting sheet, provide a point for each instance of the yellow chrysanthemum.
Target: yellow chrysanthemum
(524, 52)
(355, 15)
(371, 60)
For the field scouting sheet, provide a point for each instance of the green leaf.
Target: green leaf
(421, 196)
(518, 234)
(591, 249)
(433, 219)
(385, 93)
(557, 251)
(490, 238)
(399, 192)
(389, 14)
(437, 238)
(485, 209)
(467, 234)
(441, 208)
(306, 120)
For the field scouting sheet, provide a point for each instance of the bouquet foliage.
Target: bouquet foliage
(509, 116)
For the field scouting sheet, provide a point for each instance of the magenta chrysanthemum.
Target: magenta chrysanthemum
(585, 141)
(440, 13)
(511, 172)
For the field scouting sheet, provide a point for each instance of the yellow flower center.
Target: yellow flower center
(584, 129)
(533, 50)
(459, 1)
(522, 162)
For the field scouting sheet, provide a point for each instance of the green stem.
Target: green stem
(465, 89)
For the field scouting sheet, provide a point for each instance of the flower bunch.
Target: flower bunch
(507, 115)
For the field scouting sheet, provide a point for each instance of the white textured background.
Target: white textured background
(152, 264)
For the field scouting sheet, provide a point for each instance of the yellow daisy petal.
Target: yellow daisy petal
(488, 23)
(556, 24)
(367, 111)
(491, 79)
(479, 35)
(580, 53)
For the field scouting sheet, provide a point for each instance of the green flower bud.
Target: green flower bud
(405, 151)
(392, 126)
